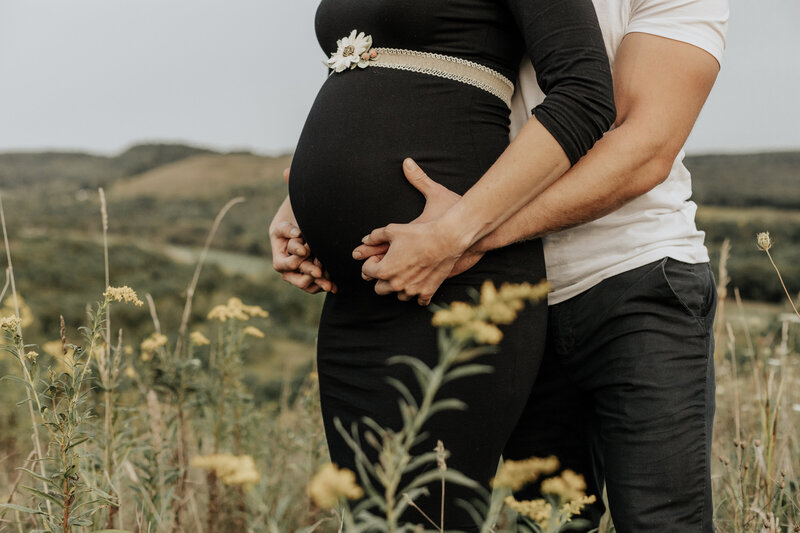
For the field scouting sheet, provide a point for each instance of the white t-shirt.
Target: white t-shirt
(659, 223)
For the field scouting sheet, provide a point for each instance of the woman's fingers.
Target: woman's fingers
(297, 247)
(301, 281)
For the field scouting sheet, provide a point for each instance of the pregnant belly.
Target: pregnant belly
(347, 178)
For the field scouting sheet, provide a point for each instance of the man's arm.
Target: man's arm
(660, 86)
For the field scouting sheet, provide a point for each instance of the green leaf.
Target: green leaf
(20, 508)
(42, 494)
(466, 371)
(77, 442)
(450, 476)
(34, 474)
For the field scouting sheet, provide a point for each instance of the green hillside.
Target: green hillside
(162, 200)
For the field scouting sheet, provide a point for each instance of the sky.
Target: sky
(101, 75)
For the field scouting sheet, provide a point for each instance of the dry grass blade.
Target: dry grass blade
(187, 310)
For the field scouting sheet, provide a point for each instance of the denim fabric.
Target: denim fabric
(625, 396)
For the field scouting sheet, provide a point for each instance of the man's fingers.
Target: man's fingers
(383, 288)
(286, 172)
(370, 268)
(365, 251)
(417, 177)
(378, 236)
(403, 296)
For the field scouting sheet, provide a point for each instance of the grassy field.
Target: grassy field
(161, 406)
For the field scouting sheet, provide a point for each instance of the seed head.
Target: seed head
(764, 241)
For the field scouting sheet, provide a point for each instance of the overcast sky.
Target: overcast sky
(100, 75)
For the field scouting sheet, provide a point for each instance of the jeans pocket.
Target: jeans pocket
(692, 285)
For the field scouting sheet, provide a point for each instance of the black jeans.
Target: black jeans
(625, 396)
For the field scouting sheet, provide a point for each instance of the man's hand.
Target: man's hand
(291, 256)
(384, 248)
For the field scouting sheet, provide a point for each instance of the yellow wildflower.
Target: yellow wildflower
(539, 510)
(128, 350)
(198, 339)
(231, 469)
(458, 314)
(482, 332)
(153, 342)
(236, 310)
(130, 372)
(516, 474)
(478, 323)
(31, 355)
(254, 332)
(571, 508)
(122, 294)
(764, 241)
(25, 313)
(10, 323)
(569, 486)
(331, 484)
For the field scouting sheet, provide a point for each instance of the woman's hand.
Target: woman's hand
(291, 256)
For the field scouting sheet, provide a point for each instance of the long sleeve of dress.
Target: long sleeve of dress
(565, 44)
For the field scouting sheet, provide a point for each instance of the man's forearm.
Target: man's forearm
(660, 87)
(621, 166)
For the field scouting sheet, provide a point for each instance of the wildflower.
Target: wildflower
(478, 323)
(458, 314)
(573, 507)
(130, 372)
(122, 294)
(441, 456)
(151, 344)
(31, 356)
(10, 323)
(764, 241)
(198, 339)
(483, 332)
(25, 315)
(516, 474)
(231, 469)
(237, 310)
(254, 332)
(128, 350)
(569, 486)
(331, 484)
(537, 510)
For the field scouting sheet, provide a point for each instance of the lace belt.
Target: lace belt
(452, 68)
(356, 51)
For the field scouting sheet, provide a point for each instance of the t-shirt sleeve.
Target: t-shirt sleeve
(702, 23)
(564, 42)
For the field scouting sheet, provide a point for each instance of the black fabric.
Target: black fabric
(625, 396)
(347, 179)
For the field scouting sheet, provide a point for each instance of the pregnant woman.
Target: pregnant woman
(432, 80)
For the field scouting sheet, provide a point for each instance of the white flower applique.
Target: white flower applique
(352, 51)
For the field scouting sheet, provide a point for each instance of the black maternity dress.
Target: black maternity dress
(347, 179)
